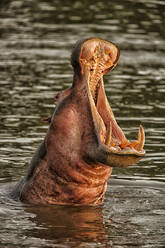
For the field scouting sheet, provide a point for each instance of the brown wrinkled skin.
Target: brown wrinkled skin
(73, 164)
(65, 175)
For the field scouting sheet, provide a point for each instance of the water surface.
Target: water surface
(36, 39)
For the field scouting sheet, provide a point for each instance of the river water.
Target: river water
(36, 39)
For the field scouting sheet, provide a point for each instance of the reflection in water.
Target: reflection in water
(36, 38)
(63, 223)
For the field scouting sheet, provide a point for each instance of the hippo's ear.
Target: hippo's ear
(46, 119)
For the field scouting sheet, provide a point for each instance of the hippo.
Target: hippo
(83, 141)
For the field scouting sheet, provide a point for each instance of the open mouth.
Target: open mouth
(97, 57)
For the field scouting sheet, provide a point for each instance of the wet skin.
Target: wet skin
(83, 141)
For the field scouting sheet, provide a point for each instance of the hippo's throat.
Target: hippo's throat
(96, 59)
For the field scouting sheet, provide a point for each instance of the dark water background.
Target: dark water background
(36, 39)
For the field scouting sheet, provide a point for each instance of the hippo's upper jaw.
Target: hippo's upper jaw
(95, 58)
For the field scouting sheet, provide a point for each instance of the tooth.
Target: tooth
(141, 139)
(125, 144)
(109, 135)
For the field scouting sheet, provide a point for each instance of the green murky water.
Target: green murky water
(36, 39)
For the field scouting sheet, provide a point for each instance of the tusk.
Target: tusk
(141, 139)
(109, 135)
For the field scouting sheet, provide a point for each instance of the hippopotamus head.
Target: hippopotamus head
(91, 59)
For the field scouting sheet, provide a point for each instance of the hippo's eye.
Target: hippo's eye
(57, 96)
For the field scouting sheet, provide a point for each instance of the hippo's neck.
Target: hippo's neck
(71, 183)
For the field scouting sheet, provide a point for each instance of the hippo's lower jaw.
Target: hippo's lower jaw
(113, 147)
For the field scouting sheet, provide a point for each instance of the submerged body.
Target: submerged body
(84, 141)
